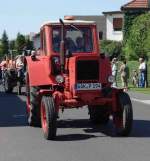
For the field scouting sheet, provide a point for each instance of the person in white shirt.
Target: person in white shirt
(142, 72)
(20, 65)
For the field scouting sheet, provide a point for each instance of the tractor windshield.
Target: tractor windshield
(76, 40)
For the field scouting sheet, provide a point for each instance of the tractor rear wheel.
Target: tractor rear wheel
(126, 116)
(34, 109)
(99, 115)
(48, 117)
(6, 84)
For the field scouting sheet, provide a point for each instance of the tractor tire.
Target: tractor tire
(34, 111)
(99, 115)
(27, 85)
(27, 93)
(48, 117)
(6, 84)
(126, 115)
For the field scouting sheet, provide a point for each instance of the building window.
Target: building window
(100, 35)
(117, 24)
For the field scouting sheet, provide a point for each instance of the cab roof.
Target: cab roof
(67, 22)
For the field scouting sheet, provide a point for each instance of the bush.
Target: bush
(138, 42)
(111, 48)
(129, 17)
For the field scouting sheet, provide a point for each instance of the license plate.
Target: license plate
(88, 86)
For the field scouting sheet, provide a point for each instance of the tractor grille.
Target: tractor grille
(87, 70)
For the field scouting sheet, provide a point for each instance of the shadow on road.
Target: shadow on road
(74, 137)
(89, 130)
(141, 128)
(12, 110)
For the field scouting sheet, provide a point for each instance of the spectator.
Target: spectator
(124, 70)
(20, 65)
(114, 71)
(142, 72)
(146, 77)
(135, 79)
(4, 65)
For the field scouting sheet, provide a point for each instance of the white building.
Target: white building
(114, 25)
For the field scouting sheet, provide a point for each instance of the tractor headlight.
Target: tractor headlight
(111, 79)
(59, 79)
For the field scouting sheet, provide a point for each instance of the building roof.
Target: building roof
(112, 12)
(137, 4)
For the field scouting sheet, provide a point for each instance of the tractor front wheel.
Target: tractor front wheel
(125, 117)
(48, 117)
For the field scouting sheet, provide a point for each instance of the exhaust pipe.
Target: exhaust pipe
(62, 47)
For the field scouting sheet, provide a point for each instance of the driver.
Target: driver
(80, 44)
(70, 45)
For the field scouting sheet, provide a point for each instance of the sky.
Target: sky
(27, 16)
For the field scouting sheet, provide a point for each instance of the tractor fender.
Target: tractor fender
(38, 70)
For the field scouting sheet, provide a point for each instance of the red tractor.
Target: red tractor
(70, 72)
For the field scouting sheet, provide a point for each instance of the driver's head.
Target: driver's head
(79, 42)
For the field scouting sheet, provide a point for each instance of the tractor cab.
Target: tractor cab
(79, 37)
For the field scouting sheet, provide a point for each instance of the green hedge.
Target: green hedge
(129, 17)
(137, 41)
(111, 48)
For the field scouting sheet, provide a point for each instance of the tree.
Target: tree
(4, 44)
(112, 48)
(129, 17)
(12, 44)
(12, 47)
(20, 43)
(29, 44)
(138, 42)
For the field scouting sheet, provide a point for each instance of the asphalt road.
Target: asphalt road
(77, 139)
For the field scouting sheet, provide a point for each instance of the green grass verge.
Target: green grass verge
(141, 90)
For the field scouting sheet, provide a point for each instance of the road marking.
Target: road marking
(141, 101)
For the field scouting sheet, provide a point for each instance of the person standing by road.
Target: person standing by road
(114, 71)
(4, 65)
(20, 65)
(124, 72)
(142, 72)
